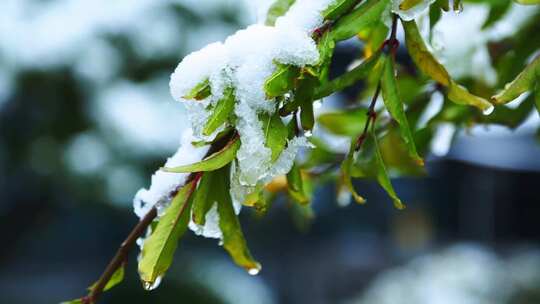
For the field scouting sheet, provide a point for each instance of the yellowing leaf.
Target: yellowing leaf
(200, 91)
(295, 184)
(421, 56)
(233, 238)
(213, 162)
(395, 107)
(408, 4)
(158, 250)
(221, 113)
(346, 167)
(524, 82)
(382, 175)
(460, 95)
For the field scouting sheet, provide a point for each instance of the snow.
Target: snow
(211, 225)
(163, 183)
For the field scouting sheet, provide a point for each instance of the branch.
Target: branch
(390, 45)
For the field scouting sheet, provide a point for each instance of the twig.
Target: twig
(121, 254)
(390, 45)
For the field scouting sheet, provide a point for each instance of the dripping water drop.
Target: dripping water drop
(149, 286)
(254, 270)
(488, 110)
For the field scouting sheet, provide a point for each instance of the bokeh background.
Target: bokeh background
(86, 117)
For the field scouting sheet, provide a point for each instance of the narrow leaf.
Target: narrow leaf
(282, 80)
(395, 107)
(233, 238)
(221, 113)
(200, 91)
(348, 122)
(116, 278)
(460, 95)
(362, 17)
(421, 56)
(295, 185)
(213, 162)
(522, 83)
(303, 96)
(537, 94)
(346, 167)
(276, 134)
(278, 9)
(202, 199)
(348, 79)
(382, 175)
(408, 4)
(158, 250)
(339, 8)
(528, 2)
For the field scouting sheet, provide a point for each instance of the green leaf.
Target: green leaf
(233, 238)
(435, 13)
(528, 2)
(213, 162)
(282, 80)
(276, 134)
(339, 8)
(346, 168)
(158, 250)
(408, 4)
(421, 56)
(395, 107)
(444, 4)
(524, 82)
(349, 122)
(221, 113)
(304, 96)
(460, 95)
(203, 199)
(326, 48)
(382, 175)
(200, 91)
(362, 17)
(116, 278)
(348, 79)
(295, 185)
(537, 94)
(278, 9)
(497, 10)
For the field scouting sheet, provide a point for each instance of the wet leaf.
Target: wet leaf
(395, 107)
(365, 15)
(382, 175)
(346, 168)
(524, 82)
(528, 2)
(348, 79)
(296, 185)
(511, 117)
(200, 91)
(276, 134)
(282, 80)
(221, 113)
(233, 238)
(422, 57)
(460, 95)
(278, 9)
(203, 198)
(408, 4)
(213, 162)
(349, 122)
(158, 250)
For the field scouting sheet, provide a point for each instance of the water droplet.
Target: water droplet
(488, 110)
(308, 133)
(255, 270)
(317, 104)
(149, 286)
(459, 8)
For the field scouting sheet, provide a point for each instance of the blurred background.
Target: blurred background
(86, 117)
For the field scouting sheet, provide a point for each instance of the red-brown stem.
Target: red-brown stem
(392, 44)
